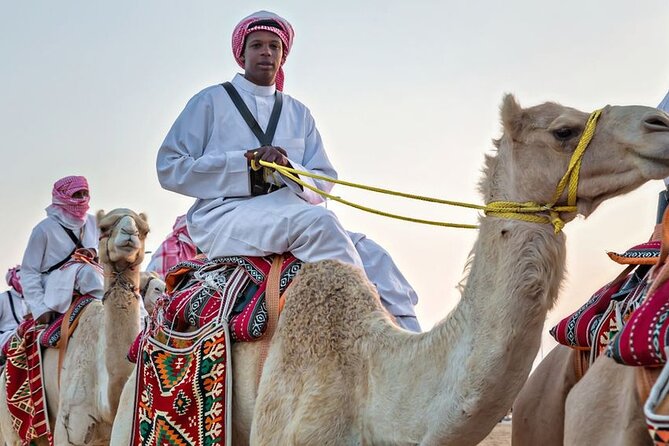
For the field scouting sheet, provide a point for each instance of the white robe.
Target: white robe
(80, 276)
(48, 245)
(203, 157)
(12, 311)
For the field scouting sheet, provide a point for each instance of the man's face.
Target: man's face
(262, 57)
(83, 193)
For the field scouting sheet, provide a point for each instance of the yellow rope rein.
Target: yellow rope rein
(527, 211)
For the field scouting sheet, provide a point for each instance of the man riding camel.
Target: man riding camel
(12, 306)
(54, 240)
(207, 155)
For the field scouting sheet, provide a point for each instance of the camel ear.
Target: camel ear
(512, 116)
(99, 215)
(144, 217)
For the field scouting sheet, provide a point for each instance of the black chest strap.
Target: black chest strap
(265, 138)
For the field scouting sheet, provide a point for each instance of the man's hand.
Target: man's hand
(46, 318)
(269, 154)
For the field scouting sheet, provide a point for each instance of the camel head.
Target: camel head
(151, 287)
(122, 236)
(630, 146)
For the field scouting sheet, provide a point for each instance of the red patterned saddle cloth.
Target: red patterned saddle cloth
(182, 383)
(180, 390)
(193, 297)
(594, 325)
(26, 400)
(643, 338)
(50, 337)
(193, 301)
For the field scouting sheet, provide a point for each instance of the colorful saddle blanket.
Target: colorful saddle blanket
(23, 384)
(50, 337)
(595, 324)
(643, 338)
(643, 254)
(182, 384)
(180, 394)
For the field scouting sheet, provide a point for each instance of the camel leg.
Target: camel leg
(538, 412)
(8, 433)
(298, 408)
(603, 408)
(122, 427)
(77, 420)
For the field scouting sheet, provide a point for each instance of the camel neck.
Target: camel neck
(470, 366)
(122, 315)
(514, 279)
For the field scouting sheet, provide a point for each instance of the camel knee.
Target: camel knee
(75, 428)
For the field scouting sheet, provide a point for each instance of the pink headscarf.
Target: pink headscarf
(249, 24)
(70, 211)
(13, 280)
(177, 247)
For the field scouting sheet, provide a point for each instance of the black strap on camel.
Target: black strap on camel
(77, 245)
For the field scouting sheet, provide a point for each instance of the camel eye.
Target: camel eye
(564, 133)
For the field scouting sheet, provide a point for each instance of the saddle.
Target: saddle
(193, 298)
(183, 355)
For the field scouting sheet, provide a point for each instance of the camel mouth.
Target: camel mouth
(128, 246)
(664, 162)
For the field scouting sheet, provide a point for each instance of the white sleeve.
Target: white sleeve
(90, 281)
(315, 161)
(185, 167)
(31, 274)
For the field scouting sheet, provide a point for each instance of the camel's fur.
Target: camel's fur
(604, 408)
(151, 287)
(339, 372)
(95, 367)
(538, 411)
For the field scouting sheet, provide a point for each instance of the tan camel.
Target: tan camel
(608, 403)
(340, 372)
(538, 411)
(151, 287)
(95, 367)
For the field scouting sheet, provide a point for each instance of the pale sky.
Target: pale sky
(405, 95)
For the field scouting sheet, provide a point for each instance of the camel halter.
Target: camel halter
(529, 211)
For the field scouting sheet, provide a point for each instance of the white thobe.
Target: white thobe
(12, 310)
(203, 157)
(47, 246)
(81, 277)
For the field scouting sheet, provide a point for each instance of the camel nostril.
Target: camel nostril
(657, 123)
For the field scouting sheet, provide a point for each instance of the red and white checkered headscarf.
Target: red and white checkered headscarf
(13, 279)
(62, 192)
(258, 22)
(177, 247)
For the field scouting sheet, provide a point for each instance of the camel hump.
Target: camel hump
(329, 306)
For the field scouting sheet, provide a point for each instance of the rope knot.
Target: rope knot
(556, 221)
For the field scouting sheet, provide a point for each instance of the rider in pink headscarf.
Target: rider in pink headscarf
(13, 280)
(69, 201)
(67, 227)
(176, 248)
(12, 307)
(263, 21)
(207, 155)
